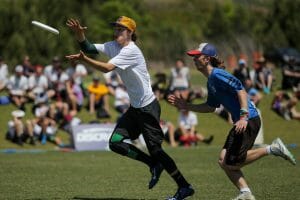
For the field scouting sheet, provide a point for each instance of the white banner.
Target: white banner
(88, 137)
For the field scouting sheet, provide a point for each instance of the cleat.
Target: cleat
(245, 196)
(279, 149)
(155, 174)
(182, 193)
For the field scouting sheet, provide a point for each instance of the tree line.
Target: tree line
(165, 29)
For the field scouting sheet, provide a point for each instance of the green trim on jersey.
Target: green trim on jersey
(88, 47)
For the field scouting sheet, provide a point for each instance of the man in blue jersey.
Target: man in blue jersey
(223, 88)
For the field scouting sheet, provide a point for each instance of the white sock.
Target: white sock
(246, 189)
(268, 148)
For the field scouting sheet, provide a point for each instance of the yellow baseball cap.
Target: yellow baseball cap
(126, 22)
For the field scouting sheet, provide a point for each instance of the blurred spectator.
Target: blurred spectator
(242, 71)
(38, 84)
(187, 129)
(3, 74)
(290, 74)
(43, 127)
(77, 71)
(224, 114)
(57, 78)
(160, 86)
(16, 129)
(263, 76)
(255, 97)
(169, 132)
(98, 98)
(180, 79)
(59, 111)
(50, 71)
(27, 66)
(75, 95)
(285, 105)
(17, 86)
(112, 80)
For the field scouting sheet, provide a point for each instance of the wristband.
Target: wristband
(244, 114)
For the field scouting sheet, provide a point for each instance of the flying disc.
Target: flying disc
(45, 27)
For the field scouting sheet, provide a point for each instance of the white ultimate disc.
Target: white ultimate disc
(45, 27)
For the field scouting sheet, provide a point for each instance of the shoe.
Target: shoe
(182, 193)
(19, 141)
(32, 141)
(208, 140)
(155, 174)
(244, 196)
(44, 139)
(279, 149)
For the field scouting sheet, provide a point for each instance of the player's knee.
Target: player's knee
(115, 143)
(221, 163)
(155, 150)
(113, 146)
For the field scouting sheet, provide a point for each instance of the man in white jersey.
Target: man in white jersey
(144, 113)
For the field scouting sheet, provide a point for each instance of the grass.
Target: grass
(104, 175)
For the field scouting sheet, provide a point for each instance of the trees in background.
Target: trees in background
(165, 28)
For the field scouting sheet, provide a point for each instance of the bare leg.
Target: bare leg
(234, 173)
(92, 103)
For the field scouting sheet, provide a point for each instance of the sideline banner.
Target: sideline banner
(86, 137)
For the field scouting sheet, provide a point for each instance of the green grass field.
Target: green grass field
(104, 176)
(51, 174)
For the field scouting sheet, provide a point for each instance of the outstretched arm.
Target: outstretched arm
(85, 45)
(76, 27)
(102, 66)
(182, 104)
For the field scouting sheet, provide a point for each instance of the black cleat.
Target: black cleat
(208, 140)
(155, 174)
(182, 193)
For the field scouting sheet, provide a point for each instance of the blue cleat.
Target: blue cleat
(155, 174)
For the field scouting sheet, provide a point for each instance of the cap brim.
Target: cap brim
(117, 24)
(193, 52)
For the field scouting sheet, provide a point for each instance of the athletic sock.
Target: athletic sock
(246, 189)
(179, 179)
(268, 148)
(170, 166)
(139, 155)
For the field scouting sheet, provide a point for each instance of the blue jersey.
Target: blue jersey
(222, 89)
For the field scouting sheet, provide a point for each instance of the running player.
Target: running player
(223, 88)
(143, 116)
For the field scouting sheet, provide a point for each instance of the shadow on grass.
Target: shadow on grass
(105, 198)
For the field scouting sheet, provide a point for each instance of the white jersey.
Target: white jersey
(79, 70)
(188, 121)
(131, 66)
(18, 83)
(38, 81)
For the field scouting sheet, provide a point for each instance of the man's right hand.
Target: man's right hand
(178, 102)
(74, 24)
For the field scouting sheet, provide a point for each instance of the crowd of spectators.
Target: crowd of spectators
(57, 93)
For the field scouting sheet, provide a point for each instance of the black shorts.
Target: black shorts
(237, 144)
(144, 121)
